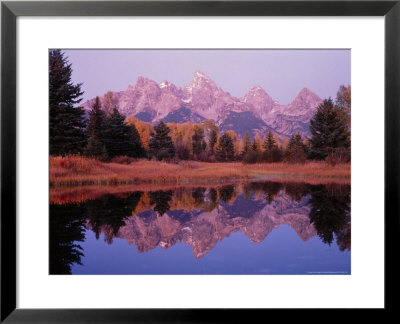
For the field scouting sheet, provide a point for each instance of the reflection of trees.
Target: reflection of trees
(343, 237)
(256, 187)
(198, 196)
(330, 213)
(226, 193)
(271, 190)
(213, 195)
(161, 200)
(296, 190)
(212, 200)
(109, 212)
(66, 228)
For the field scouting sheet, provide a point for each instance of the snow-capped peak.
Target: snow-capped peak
(163, 84)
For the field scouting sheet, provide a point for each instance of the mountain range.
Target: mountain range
(202, 99)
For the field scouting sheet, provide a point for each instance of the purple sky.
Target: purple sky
(281, 73)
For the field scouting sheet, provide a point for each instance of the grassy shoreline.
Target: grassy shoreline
(74, 171)
(78, 194)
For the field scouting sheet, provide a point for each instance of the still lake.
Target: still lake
(264, 227)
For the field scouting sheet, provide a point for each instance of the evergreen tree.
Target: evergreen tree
(272, 153)
(330, 134)
(160, 144)
(97, 121)
(67, 124)
(269, 142)
(95, 149)
(121, 139)
(225, 151)
(295, 151)
(212, 139)
(254, 153)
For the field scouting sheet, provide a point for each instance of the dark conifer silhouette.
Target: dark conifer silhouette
(295, 151)
(212, 139)
(160, 200)
(108, 213)
(226, 193)
(67, 123)
(225, 151)
(121, 139)
(160, 144)
(95, 147)
(66, 231)
(329, 130)
(272, 152)
(330, 211)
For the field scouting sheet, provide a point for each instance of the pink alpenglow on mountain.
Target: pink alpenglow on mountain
(202, 99)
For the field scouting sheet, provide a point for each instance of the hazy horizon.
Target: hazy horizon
(281, 73)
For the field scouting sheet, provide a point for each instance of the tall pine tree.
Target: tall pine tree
(212, 139)
(95, 147)
(97, 120)
(329, 130)
(272, 153)
(295, 151)
(269, 142)
(121, 139)
(160, 144)
(67, 123)
(225, 151)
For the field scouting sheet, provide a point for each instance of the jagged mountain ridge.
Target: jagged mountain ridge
(203, 99)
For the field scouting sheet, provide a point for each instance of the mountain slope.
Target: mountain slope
(256, 112)
(182, 115)
(244, 121)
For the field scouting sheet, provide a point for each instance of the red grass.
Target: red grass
(80, 171)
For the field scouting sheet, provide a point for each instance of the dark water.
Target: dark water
(252, 228)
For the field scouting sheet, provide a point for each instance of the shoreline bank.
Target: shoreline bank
(74, 171)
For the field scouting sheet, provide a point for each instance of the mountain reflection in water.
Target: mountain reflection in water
(200, 218)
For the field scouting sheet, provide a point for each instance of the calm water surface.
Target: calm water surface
(248, 228)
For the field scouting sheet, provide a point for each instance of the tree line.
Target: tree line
(105, 133)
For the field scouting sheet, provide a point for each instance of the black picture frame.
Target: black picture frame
(10, 10)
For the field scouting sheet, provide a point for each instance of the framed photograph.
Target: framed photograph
(178, 154)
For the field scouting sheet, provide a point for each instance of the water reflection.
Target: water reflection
(330, 214)
(200, 217)
(66, 228)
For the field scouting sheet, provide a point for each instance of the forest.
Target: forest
(94, 142)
